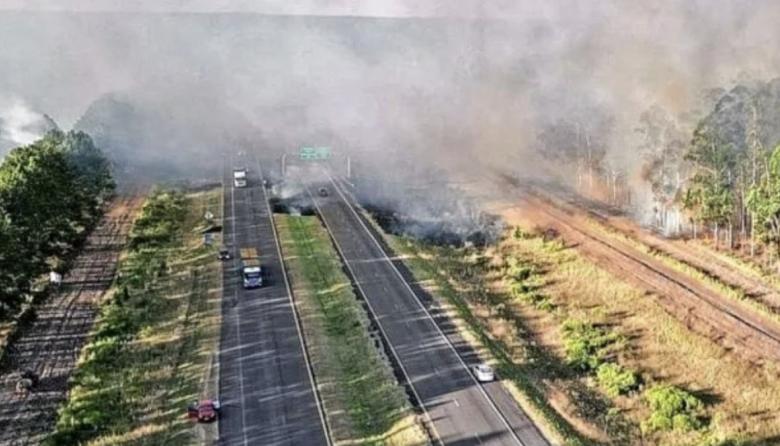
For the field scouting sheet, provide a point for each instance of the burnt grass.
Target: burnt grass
(298, 204)
(437, 233)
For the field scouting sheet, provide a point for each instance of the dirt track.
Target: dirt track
(51, 345)
(703, 310)
(711, 265)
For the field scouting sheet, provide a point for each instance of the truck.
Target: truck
(251, 270)
(239, 178)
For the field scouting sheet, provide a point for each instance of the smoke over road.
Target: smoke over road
(465, 89)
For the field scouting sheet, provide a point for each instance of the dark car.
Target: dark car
(323, 192)
(224, 254)
(204, 411)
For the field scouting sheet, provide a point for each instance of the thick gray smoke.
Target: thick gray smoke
(465, 87)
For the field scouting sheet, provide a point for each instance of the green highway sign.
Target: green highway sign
(314, 153)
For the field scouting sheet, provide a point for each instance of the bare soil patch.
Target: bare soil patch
(50, 346)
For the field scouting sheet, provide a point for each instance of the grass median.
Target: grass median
(152, 348)
(363, 401)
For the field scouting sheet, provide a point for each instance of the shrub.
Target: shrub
(519, 234)
(585, 344)
(673, 409)
(615, 379)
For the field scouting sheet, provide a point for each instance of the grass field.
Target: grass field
(363, 401)
(524, 332)
(152, 348)
(717, 285)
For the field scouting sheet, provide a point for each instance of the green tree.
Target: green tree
(92, 169)
(764, 203)
(710, 194)
(13, 266)
(37, 191)
(50, 194)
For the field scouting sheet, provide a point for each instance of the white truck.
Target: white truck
(251, 270)
(239, 178)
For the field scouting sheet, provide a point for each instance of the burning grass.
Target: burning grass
(362, 399)
(151, 349)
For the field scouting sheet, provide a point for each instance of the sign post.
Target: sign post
(314, 153)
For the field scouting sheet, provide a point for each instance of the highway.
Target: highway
(461, 411)
(265, 384)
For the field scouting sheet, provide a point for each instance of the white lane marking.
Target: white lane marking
(419, 302)
(221, 283)
(377, 319)
(325, 426)
(238, 316)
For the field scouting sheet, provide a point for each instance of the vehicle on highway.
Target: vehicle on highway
(224, 254)
(204, 411)
(323, 192)
(484, 373)
(239, 178)
(251, 270)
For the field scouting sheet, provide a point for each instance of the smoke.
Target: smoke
(462, 87)
(20, 125)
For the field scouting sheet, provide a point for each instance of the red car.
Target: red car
(204, 411)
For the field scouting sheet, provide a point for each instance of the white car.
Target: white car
(484, 373)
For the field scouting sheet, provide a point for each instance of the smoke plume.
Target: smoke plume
(463, 87)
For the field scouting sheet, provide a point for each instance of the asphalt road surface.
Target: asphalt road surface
(462, 411)
(265, 384)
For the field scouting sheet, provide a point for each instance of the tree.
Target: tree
(580, 139)
(50, 194)
(13, 266)
(93, 171)
(38, 192)
(764, 203)
(711, 189)
(662, 147)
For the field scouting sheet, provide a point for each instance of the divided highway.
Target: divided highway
(265, 383)
(461, 411)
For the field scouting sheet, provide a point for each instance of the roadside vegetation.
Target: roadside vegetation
(363, 401)
(51, 195)
(591, 356)
(150, 352)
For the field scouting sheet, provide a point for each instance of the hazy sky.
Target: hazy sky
(373, 8)
(433, 78)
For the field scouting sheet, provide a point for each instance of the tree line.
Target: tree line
(51, 195)
(719, 165)
(713, 169)
(733, 187)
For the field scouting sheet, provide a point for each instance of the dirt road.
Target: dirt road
(752, 285)
(51, 344)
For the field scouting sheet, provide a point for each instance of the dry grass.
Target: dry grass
(743, 400)
(716, 285)
(755, 267)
